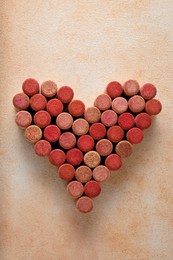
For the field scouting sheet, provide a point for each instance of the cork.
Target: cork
(74, 156)
(101, 173)
(75, 189)
(131, 87)
(76, 108)
(67, 140)
(126, 121)
(92, 115)
(97, 131)
(92, 159)
(66, 172)
(115, 134)
(148, 91)
(114, 89)
(21, 101)
(54, 107)
(65, 94)
(124, 149)
(85, 143)
(23, 119)
(83, 174)
(38, 102)
(42, 118)
(104, 147)
(30, 87)
(136, 104)
(48, 88)
(92, 189)
(51, 133)
(153, 107)
(143, 120)
(64, 121)
(42, 148)
(33, 133)
(109, 118)
(80, 127)
(84, 204)
(57, 157)
(103, 102)
(113, 162)
(119, 105)
(135, 135)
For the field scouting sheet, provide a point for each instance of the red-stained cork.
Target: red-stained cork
(153, 107)
(131, 87)
(126, 121)
(42, 118)
(75, 189)
(67, 140)
(97, 131)
(23, 119)
(103, 102)
(80, 126)
(135, 135)
(42, 148)
(52, 133)
(92, 159)
(124, 149)
(66, 172)
(92, 115)
(119, 105)
(148, 91)
(64, 121)
(113, 162)
(136, 104)
(85, 143)
(92, 189)
(143, 120)
(74, 156)
(54, 107)
(30, 87)
(65, 94)
(21, 101)
(84, 204)
(33, 133)
(57, 157)
(38, 102)
(83, 174)
(76, 108)
(49, 88)
(109, 118)
(115, 133)
(104, 147)
(114, 89)
(101, 173)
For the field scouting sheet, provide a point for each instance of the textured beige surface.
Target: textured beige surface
(86, 44)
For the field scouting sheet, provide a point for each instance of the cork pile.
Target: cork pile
(85, 143)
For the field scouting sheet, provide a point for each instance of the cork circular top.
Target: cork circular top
(103, 102)
(92, 115)
(49, 88)
(33, 133)
(92, 159)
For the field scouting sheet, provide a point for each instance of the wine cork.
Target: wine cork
(153, 107)
(75, 189)
(21, 101)
(136, 104)
(51, 133)
(103, 102)
(66, 172)
(92, 115)
(124, 149)
(30, 87)
(54, 107)
(76, 108)
(143, 120)
(64, 121)
(83, 174)
(85, 143)
(101, 173)
(67, 140)
(84, 204)
(42, 148)
(92, 159)
(135, 135)
(33, 133)
(42, 118)
(114, 89)
(104, 147)
(115, 133)
(126, 121)
(74, 156)
(57, 157)
(109, 118)
(23, 119)
(148, 91)
(92, 189)
(131, 87)
(113, 162)
(65, 94)
(80, 126)
(97, 131)
(38, 102)
(119, 105)
(49, 88)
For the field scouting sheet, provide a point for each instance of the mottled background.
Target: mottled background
(86, 44)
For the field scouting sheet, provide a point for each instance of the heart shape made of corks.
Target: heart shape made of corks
(85, 144)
